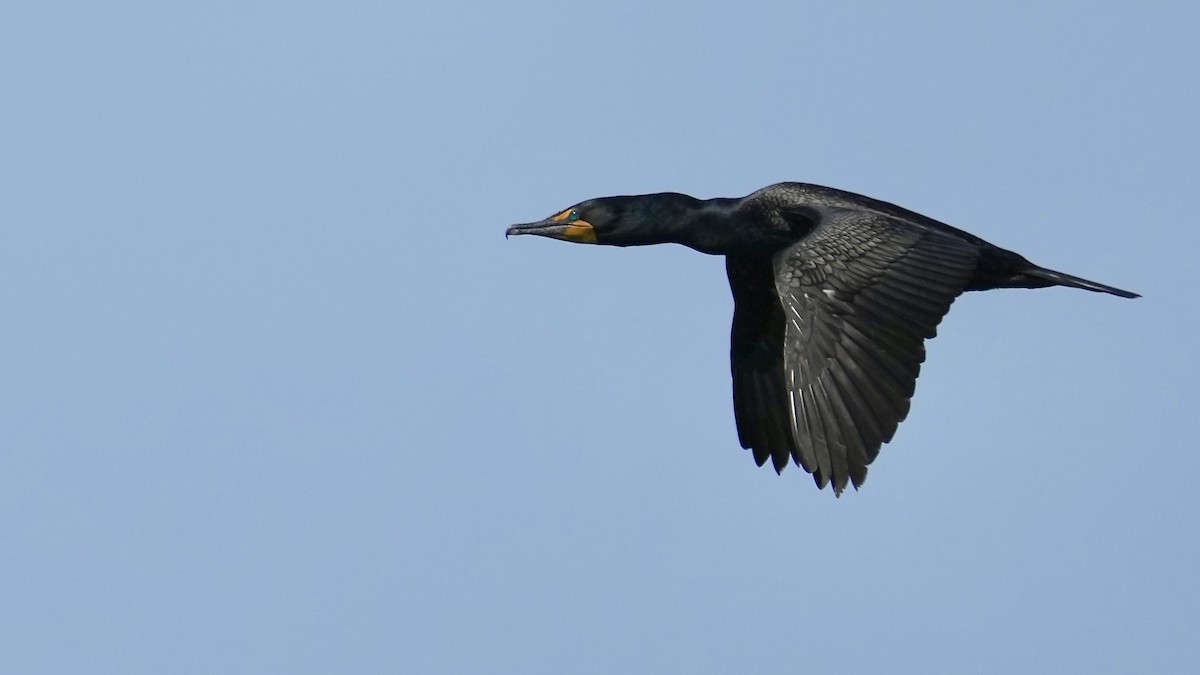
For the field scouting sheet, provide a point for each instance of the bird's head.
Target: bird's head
(596, 221)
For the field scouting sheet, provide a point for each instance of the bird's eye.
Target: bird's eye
(573, 216)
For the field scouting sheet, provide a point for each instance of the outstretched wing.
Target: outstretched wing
(826, 374)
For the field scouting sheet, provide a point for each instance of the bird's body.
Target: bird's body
(834, 295)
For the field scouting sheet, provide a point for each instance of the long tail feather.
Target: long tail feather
(1060, 279)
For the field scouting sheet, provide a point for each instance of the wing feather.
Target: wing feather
(843, 324)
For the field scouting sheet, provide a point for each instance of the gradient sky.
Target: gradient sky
(277, 396)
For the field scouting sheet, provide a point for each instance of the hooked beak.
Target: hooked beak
(579, 231)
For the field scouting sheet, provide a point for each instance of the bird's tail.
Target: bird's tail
(1060, 279)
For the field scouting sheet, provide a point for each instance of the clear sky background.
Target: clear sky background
(277, 396)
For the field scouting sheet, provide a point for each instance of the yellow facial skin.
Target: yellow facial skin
(579, 231)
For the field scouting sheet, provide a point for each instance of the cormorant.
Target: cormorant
(834, 296)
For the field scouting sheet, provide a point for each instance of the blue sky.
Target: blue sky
(276, 395)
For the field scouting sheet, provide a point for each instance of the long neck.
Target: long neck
(705, 225)
(712, 228)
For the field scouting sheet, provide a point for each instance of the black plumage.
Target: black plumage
(834, 295)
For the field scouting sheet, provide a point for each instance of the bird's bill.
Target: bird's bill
(579, 231)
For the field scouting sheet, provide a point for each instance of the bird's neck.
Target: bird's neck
(722, 226)
(705, 225)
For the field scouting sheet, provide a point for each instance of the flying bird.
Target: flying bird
(834, 295)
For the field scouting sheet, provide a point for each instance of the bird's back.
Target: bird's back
(820, 197)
